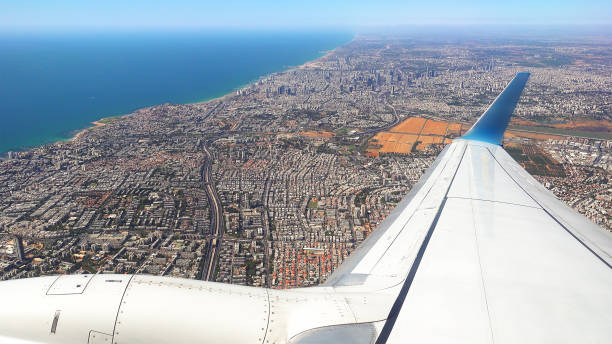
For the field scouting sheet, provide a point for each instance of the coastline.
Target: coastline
(325, 54)
(106, 120)
(97, 123)
(77, 134)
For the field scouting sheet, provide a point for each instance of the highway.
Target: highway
(383, 128)
(216, 217)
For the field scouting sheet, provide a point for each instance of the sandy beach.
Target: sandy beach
(96, 124)
(308, 64)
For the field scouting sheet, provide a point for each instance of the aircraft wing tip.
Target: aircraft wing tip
(491, 126)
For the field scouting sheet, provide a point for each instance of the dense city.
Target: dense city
(276, 184)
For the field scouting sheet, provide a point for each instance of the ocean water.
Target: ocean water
(54, 84)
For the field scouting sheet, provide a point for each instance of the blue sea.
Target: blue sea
(54, 84)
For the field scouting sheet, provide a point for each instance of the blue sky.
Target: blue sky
(17, 14)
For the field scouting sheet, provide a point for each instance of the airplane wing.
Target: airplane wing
(478, 251)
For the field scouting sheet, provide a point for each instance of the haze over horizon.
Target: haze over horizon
(266, 14)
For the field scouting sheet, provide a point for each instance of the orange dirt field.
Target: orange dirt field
(415, 134)
(412, 125)
(430, 139)
(454, 129)
(434, 128)
(394, 142)
(425, 141)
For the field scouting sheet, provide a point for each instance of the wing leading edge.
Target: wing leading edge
(491, 126)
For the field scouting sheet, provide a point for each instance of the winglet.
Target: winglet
(491, 126)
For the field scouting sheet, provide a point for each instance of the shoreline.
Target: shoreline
(325, 53)
(96, 124)
(101, 121)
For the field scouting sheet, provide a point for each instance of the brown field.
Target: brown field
(513, 134)
(430, 139)
(412, 125)
(594, 126)
(407, 138)
(434, 128)
(421, 146)
(535, 160)
(385, 136)
(394, 137)
(403, 137)
(454, 129)
(322, 134)
(393, 143)
(391, 147)
(425, 141)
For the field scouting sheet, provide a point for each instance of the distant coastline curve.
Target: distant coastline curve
(73, 95)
